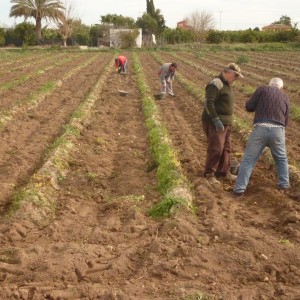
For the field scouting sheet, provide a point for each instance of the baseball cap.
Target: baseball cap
(235, 68)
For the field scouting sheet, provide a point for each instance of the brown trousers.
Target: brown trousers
(218, 150)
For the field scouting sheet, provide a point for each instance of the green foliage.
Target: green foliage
(128, 38)
(214, 36)
(34, 196)
(242, 59)
(11, 39)
(177, 36)
(50, 35)
(248, 36)
(99, 35)
(147, 23)
(37, 9)
(163, 208)
(284, 20)
(152, 21)
(150, 8)
(169, 173)
(2, 37)
(251, 36)
(118, 21)
(81, 34)
(26, 32)
(295, 112)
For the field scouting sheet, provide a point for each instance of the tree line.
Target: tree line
(67, 30)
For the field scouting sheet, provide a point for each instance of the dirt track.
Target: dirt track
(102, 244)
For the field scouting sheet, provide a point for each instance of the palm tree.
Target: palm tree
(38, 9)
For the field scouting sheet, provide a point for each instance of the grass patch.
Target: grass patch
(163, 208)
(171, 181)
(91, 176)
(34, 196)
(285, 242)
(242, 59)
(10, 256)
(197, 296)
(295, 112)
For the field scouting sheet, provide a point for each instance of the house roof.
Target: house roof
(183, 24)
(277, 26)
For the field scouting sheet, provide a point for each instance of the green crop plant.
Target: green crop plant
(295, 112)
(11, 84)
(163, 208)
(171, 181)
(10, 256)
(285, 242)
(41, 190)
(197, 296)
(91, 176)
(33, 195)
(242, 59)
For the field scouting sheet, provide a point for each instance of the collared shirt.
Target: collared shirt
(270, 104)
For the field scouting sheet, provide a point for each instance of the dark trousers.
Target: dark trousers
(218, 150)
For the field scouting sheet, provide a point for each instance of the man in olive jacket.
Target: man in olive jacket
(217, 120)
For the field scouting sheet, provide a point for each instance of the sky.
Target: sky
(227, 14)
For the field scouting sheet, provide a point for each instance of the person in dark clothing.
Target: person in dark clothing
(271, 106)
(217, 120)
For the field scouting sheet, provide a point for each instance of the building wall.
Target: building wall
(115, 40)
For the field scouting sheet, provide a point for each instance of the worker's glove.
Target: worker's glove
(218, 124)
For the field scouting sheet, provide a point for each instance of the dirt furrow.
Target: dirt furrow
(14, 60)
(22, 92)
(97, 237)
(181, 115)
(25, 140)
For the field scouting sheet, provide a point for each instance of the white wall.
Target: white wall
(114, 37)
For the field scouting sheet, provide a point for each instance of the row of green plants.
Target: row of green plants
(41, 191)
(252, 36)
(40, 94)
(259, 65)
(172, 184)
(48, 64)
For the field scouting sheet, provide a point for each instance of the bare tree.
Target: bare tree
(201, 23)
(67, 24)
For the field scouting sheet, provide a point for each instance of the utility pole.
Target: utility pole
(220, 20)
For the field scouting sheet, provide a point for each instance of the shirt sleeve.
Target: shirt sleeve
(212, 93)
(252, 102)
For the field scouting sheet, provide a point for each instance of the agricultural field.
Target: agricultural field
(88, 177)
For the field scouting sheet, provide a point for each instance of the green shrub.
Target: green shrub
(242, 59)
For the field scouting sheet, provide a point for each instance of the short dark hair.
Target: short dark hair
(174, 65)
(116, 60)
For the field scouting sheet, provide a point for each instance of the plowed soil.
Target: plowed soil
(102, 243)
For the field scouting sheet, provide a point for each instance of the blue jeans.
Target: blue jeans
(261, 137)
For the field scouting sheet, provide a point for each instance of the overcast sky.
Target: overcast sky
(228, 14)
